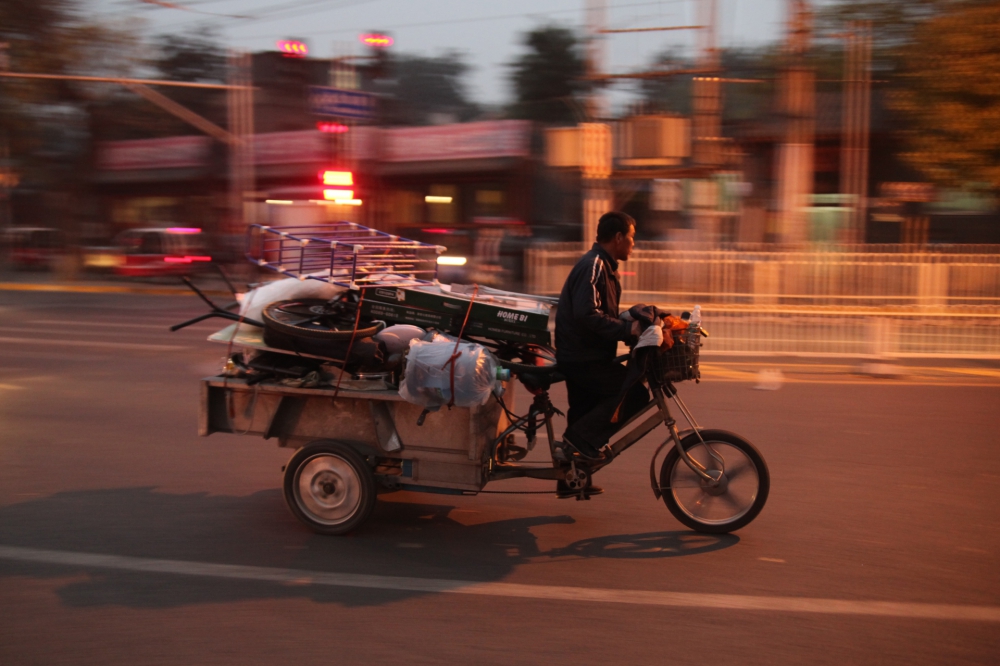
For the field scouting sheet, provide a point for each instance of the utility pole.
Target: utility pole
(242, 181)
(343, 74)
(706, 121)
(797, 104)
(596, 18)
(8, 179)
(855, 127)
(597, 195)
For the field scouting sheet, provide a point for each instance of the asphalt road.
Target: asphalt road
(127, 539)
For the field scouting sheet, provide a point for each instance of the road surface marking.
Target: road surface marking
(87, 343)
(109, 324)
(511, 590)
(108, 333)
(980, 372)
(108, 289)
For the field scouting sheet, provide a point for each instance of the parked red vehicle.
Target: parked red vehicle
(32, 248)
(153, 252)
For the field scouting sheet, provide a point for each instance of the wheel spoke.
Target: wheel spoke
(703, 506)
(726, 498)
(300, 322)
(733, 473)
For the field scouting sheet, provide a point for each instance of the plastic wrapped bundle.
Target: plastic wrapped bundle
(254, 301)
(428, 380)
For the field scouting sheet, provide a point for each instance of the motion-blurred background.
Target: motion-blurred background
(824, 174)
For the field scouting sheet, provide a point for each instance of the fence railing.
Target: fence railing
(866, 301)
(878, 279)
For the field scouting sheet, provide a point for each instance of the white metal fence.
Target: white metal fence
(878, 302)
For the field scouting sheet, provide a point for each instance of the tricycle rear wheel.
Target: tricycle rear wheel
(329, 487)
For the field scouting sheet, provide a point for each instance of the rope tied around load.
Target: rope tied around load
(455, 354)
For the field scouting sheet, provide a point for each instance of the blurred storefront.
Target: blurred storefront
(468, 186)
(155, 183)
(478, 188)
(183, 181)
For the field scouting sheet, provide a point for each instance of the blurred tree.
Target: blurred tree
(421, 90)
(194, 57)
(43, 123)
(893, 21)
(549, 79)
(949, 92)
(670, 94)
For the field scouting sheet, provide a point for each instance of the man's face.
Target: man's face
(624, 244)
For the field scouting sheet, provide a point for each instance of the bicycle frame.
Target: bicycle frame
(645, 422)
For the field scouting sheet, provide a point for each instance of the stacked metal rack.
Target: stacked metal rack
(343, 253)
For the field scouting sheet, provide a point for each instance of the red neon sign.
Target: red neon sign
(187, 259)
(293, 48)
(376, 41)
(331, 127)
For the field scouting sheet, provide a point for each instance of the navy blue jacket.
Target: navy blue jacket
(587, 324)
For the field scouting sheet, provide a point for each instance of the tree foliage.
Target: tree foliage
(549, 79)
(949, 92)
(194, 57)
(893, 22)
(44, 122)
(425, 90)
(669, 94)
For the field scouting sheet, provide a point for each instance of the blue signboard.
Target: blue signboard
(326, 101)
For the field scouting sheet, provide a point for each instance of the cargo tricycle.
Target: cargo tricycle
(358, 437)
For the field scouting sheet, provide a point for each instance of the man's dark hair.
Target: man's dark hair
(612, 223)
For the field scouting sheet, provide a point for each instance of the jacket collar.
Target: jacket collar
(603, 254)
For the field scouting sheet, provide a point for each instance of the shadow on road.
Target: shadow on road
(402, 539)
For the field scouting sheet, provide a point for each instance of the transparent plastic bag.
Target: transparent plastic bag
(427, 381)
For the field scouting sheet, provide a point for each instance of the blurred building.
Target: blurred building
(483, 188)
(480, 188)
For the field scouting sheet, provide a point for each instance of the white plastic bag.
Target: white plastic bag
(254, 301)
(428, 382)
(396, 338)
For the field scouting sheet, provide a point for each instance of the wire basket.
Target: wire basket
(342, 253)
(680, 362)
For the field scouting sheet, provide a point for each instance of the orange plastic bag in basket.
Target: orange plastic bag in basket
(671, 324)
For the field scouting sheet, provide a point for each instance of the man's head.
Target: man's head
(616, 234)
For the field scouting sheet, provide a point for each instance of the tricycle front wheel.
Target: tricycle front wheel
(722, 507)
(329, 487)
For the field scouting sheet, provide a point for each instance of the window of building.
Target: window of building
(442, 204)
(406, 208)
(490, 202)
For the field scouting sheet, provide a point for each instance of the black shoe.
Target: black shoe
(586, 453)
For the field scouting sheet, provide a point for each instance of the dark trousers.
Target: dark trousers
(594, 390)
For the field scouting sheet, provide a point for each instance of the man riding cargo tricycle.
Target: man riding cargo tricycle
(383, 379)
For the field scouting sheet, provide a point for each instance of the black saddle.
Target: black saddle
(537, 378)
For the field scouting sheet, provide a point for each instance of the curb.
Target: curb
(879, 370)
